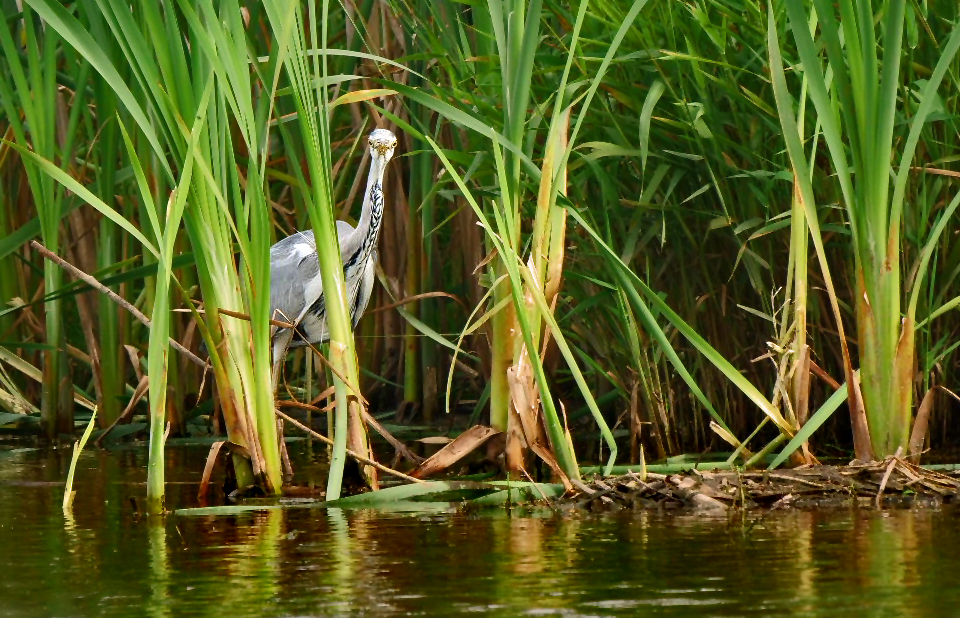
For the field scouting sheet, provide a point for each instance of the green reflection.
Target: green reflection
(339, 574)
(159, 605)
(105, 560)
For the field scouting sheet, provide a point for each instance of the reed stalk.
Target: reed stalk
(636, 201)
(306, 73)
(110, 239)
(858, 111)
(8, 272)
(210, 81)
(32, 102)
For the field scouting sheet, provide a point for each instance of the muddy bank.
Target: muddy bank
(894, 483)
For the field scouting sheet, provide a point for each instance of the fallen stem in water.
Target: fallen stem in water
(357, 456)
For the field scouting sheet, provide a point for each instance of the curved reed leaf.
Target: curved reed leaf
(72, 31)
(70, 183)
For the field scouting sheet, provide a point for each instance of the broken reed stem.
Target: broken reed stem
(138, 394)
(886, 475)
(357, 456)
(92, 282)
(244, 316)
(286, 403)
(397, 444)
(336, 372)
(414, 298)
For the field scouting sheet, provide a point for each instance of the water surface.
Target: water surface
(105, 560)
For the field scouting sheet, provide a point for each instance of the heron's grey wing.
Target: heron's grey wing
(365, 289)
(349, 239)
(294, 276)
(296, 285)
(312, 318)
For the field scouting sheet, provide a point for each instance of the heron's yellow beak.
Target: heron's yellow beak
(383, 148)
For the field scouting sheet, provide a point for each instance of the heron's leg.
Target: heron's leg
(281, 342)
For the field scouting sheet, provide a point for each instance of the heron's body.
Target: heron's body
(296, 287)
(295, 258)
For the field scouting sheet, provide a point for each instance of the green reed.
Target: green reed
(642, 203)
(858, 112)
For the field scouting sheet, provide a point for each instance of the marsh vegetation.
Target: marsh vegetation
(614, 232)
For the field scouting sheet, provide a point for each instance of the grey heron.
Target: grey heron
(296, 288)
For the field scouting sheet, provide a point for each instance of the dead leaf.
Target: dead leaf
(919, 433)
(457, 449)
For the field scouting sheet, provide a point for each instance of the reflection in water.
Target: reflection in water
(106, 560)
(158, 606)
(524, 537)
(339, 574)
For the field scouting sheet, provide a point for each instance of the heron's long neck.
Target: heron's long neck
(372, 215)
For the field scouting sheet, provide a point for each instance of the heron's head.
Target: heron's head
(382, 143)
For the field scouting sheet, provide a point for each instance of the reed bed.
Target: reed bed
(612, 231)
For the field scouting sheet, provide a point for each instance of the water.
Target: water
(107, 561)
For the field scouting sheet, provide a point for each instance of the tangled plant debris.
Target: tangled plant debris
(893, 482)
